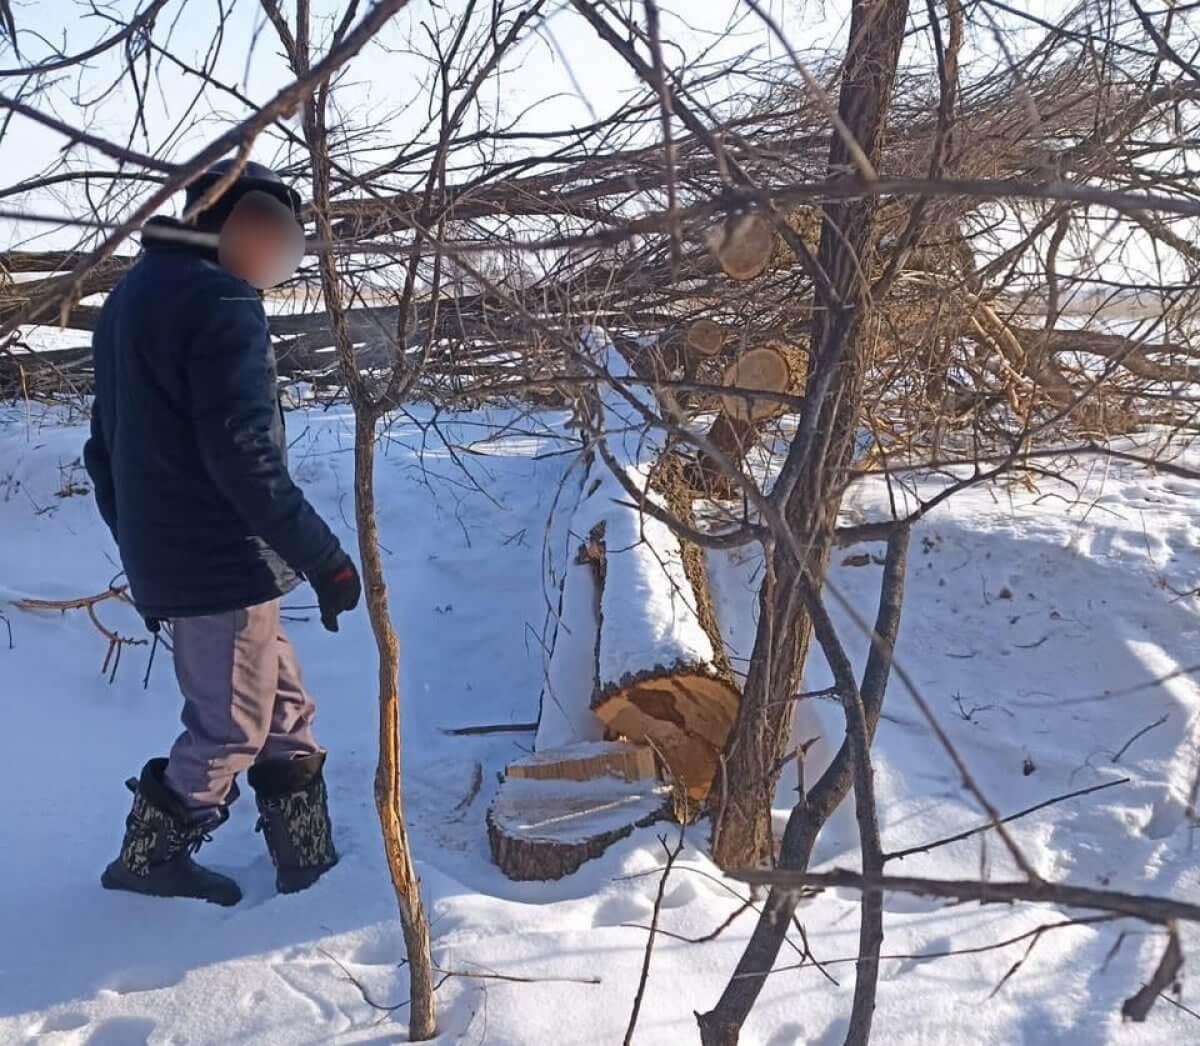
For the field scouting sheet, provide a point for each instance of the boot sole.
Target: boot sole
(117, 877)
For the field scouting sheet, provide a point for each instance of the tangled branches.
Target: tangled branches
(116, 641)
(958, 240)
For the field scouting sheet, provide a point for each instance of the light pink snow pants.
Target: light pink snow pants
(243, 701)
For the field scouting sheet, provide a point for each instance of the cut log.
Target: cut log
(585, 762)
(547, 829)
(637, 625)
(658, 358)
(685, 716)
(764, 369)
(641, 638)
(662, 677)
(705, 338)
(767, 368)
(743, 246)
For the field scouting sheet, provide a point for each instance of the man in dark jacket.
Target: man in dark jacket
(188, 461)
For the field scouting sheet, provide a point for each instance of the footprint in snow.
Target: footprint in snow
(380, 950)
(121, 1031)
(621, 908)
(138, 979)
(63, 1021)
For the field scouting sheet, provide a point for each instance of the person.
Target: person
(187, 457)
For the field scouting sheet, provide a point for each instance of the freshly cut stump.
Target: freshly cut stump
(547, 829)
(583, 762)
(684, 716)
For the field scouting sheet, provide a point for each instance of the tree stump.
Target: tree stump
(583, 762)
(545, 828)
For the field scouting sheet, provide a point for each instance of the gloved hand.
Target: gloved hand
(338, 587)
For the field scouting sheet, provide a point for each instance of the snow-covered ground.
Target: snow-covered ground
(1030, 615)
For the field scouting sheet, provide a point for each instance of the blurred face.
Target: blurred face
(261, 242)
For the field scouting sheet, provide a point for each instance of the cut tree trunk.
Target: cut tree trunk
(661, 676)
(637, 653)
(683, 713)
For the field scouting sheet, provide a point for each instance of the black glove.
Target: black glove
(338, 587)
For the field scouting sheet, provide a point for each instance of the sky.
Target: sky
(562, 78)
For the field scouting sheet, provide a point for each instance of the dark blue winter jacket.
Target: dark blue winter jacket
(187, 453)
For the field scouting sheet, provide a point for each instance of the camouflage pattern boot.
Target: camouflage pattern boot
(160, 838)
(293, 811)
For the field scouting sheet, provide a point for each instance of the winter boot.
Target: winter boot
(293, 811)
(160, 838)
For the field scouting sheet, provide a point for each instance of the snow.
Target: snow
(51, 339)
(1036, 623)
(647, 612)
(564, 711)
(648, 616)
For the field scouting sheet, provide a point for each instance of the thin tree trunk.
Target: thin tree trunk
(859, 730)
(809, 491)
(389, 796)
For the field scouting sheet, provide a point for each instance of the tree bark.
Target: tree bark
(389, 794)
